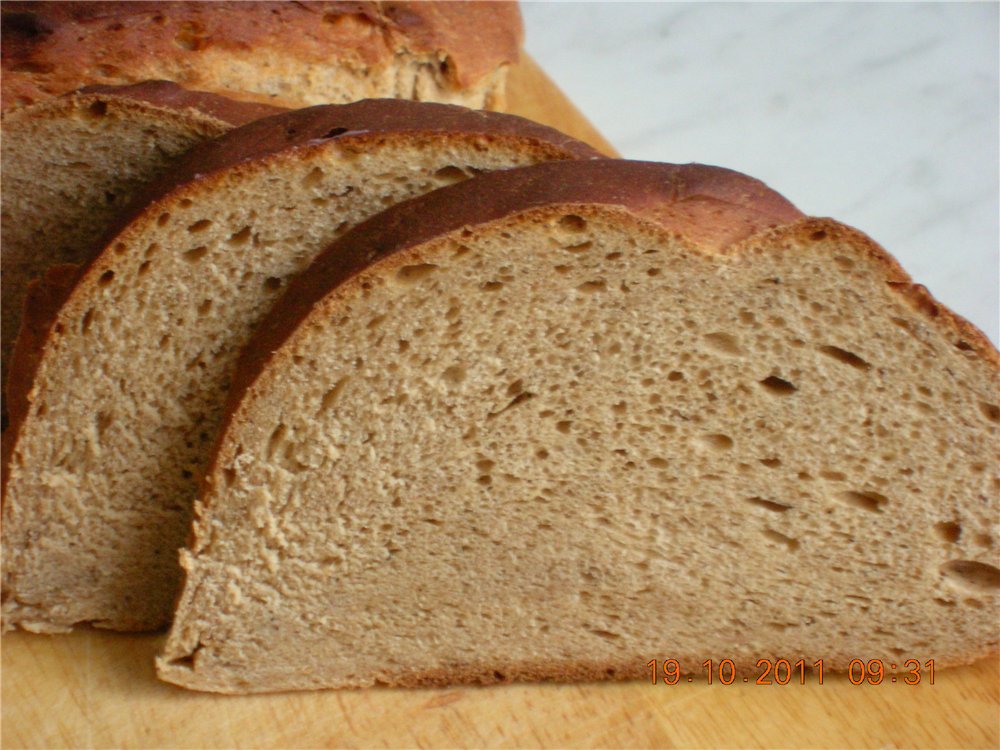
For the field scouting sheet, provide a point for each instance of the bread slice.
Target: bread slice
(118, 380)
(295, 54)
(557, 422)
(72, 162)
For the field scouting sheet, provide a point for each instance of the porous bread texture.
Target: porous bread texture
(294, 54)
(71, 163)
(563, 440)
(114, 400)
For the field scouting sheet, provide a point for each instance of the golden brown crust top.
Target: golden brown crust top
(50, 48)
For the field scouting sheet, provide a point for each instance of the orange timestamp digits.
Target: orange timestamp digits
(786, 672)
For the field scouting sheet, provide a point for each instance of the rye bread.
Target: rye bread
(120, 373)
(71, 163)
(555, 422)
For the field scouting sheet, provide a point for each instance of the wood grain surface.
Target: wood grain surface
(94, 689)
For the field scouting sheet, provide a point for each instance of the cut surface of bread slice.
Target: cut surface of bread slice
(556, 422)
(119, 374)
(296, 54)
(72, 162)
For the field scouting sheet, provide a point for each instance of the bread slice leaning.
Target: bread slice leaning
(119, 377)
(71, 163)
(557, 422)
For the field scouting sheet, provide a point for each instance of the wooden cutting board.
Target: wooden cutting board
(95, 689)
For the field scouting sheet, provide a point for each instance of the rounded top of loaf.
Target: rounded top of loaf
(50, 48)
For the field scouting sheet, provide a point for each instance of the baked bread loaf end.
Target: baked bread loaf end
(294, 54)
(555, 422)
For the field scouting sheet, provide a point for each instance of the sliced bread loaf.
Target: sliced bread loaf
(557, 422)
(72, 162)
(118, 380)
(295, 54)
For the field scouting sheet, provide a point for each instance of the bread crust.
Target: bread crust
(53, 47)
(356, 125)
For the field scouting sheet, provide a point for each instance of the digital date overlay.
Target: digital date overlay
(787, 672)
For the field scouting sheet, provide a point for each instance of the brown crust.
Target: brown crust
(715, 208)
(50, 48)
(358, 125)
(168, 95)
(45, 297)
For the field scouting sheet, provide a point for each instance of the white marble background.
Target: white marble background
(882, 115)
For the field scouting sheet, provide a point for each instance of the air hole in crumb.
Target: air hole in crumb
(450, 174)
(833, 476)
(88, 318)
(771, 463)
(454, 374)
(971, 575)
(414, 273)
(275, 441)
(675, 375)
(561, 268)
(185, 203)
(314, 178)
(724, 343)
(564, 426)
(870, 501)
(778, 386)
(572, 223)
(200, 226)
(195, 254)
(579, 247)
(845, 357)
(612, 256)
(97, 109)
(241, 237)
(607, 634)
(819, 234)
(778, 538)
(717, 442)
(205, 307)
(491, 286)
(541, 453)
(652, 272)
(845, 263)
(485, 466)
(272, 283)
(658, 463)
(948, 531)
(144, 268)
(965, 346)
(106, 278)
(990, 411)
(770, 505)
(334, 132)
(593, 286)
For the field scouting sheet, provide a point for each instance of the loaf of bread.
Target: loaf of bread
(296, 54)
(120, 371)
(556, 422)
(70, 163)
